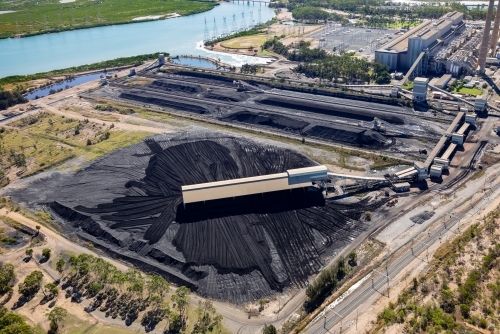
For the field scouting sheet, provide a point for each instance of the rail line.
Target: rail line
(309, 115)
(303, 96)
(380, 282)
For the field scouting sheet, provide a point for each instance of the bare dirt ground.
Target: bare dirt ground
(370, 312)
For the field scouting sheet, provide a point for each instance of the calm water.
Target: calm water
(65, 84)
(192, 61)
(178, 36)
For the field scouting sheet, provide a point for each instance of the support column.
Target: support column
(483, 51)
(494, 34)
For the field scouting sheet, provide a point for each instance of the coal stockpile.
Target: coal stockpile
(226, 95)
(163, 101)
(230, 249)
(207, 78)
(271, 120)
(176, 86)
(360, 112)
(348, 134)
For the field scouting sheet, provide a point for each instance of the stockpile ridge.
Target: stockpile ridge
(231, 249)
(362, 111)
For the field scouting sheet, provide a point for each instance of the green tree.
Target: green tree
(60, 264)
(269, 329)
(181, 300)
(29, 252)
(11, 323)
(353, 259)
(94, 288)
(56, 316)
(46, 253)
(50, 290)
(156, 284)
(7, 277)
(31, 284)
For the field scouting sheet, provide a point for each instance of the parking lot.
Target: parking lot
(360, 40)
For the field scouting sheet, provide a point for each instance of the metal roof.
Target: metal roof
(435, 151)
(404, 171)
(356, 177)
(449, 151)
(249, 185)
(401, 185)
(455, 122)
(463, 128)
(408, 174)
(307, 170)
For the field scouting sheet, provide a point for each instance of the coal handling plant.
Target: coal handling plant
(264, 224)
(362, 121)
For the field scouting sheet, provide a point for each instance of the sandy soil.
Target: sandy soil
(292, 33)
(155, 17)
(284, 15)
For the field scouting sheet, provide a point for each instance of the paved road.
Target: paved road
(378, 283)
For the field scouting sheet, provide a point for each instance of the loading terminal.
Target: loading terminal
(306, 177)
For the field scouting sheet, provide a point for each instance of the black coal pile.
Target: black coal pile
(271, 120)
(348, 134)
(164, 101)
(361, 111)
(226, 95)
(129, 203)
(176, 86)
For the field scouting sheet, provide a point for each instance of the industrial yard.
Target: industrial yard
(302, 202)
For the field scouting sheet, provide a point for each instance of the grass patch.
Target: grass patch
(32, 17)
(74, 325)
(266, 53)
(45, 140)
(111, 329)
(408, 85)
(478, 175)
(245, 42)
(471, 91)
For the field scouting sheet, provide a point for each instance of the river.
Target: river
(177, 36)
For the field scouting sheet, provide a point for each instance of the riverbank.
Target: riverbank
(181, 35)
(32, 82)
(30, 19)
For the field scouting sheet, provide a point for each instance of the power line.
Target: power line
(224, 27)
(243, 25)
(234, 28)
(214, 30)
(206, 36)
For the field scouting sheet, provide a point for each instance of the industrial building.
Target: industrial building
(291, 179)
(402, 52)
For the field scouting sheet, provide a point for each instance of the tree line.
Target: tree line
(9, 99)
(381, 8)
(112, 291)
(317, 63)
(328, 281)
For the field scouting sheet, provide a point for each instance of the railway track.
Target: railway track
(468, 169)
(298, 95)
(233, 105)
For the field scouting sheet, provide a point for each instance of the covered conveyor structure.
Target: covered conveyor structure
(292, 178)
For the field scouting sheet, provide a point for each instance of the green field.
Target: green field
(471, 91)
(245, 42)
(32, 17)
